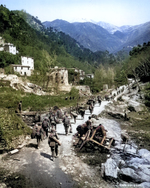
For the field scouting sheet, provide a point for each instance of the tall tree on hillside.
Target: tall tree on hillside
(104, 75)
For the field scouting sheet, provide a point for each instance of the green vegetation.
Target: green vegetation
(39, 103)
(47, 46)
(9, 99)
(50, 48)
(10, 126)
(139, 130)
(147, 95)
(30, 42)
(6, 59)
(103, 76)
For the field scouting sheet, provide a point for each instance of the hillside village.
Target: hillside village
(57, 76)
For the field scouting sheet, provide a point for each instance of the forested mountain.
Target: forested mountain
(47, 46)
(89, 35)
(44, 46)
(102, 36)
(135, 35)
(72, 46)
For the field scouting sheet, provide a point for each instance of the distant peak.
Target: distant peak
(82, 20)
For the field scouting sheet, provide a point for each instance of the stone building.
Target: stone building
(58, 77)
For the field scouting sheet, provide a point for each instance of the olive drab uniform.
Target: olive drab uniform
(91, 108)
(45, 126)
(52, 142)
(38, 134)
(59, 114)
(20, 106)
(99, 100)
(89, 123)
(82, 129)
(100, 132)
(67, 124)
(53, 121)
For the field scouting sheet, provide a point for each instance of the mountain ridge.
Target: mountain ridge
(103, 36)
(83, 33)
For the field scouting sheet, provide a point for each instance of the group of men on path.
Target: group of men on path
(89, 130)
(47, 129)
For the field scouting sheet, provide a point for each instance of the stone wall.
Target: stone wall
(84, 90)
(59, 78)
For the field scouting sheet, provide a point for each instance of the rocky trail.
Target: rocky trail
(66, 171)
(126, 166)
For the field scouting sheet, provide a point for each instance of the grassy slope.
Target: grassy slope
(12, 125)
(139, 128)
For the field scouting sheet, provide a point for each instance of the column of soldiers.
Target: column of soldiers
(48, 127)
(100, 132)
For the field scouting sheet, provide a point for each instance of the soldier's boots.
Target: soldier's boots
(52, 158)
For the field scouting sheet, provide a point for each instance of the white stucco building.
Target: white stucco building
(7, 47)
(26, 68)
(81, 73)
(1, 44)
(10, 48)
(27, 61)
(90, 75)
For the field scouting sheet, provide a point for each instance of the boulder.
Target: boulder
(111, 169)
(144, 153)
(128, 174)
(145, 185)
(130, 149)
(136, 160)
(143, 177)
(136, 105)
(116, 115)
(135, 172)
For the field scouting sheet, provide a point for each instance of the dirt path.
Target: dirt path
(67, 171)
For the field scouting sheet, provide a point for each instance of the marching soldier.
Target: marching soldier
(67, 124)
(53, 142)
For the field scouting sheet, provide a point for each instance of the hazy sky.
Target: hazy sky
(117, 12)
